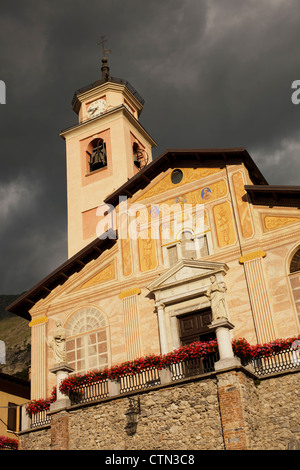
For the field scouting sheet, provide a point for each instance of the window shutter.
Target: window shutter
(12, 417)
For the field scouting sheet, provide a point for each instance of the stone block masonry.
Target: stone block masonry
(272, 411)
(231, 411)
(185, 417)
(37, 439)
(226, 410)
(60, 432)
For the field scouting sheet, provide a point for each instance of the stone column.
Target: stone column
(222, 328)
(60, 418)
(61, 371)
(162, 327)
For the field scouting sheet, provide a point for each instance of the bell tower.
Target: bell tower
(104, 149)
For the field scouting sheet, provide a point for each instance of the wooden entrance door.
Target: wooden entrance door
(194, 327)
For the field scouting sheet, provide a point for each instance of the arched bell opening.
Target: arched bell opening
(140, 156)
(97, 154)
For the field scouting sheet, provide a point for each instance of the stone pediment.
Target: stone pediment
(186, 271)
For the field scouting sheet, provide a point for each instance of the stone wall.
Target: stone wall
(181, 417)
(226, 410)
(272, 410)
(38, 439)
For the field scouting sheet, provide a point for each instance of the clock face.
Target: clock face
(96, 108)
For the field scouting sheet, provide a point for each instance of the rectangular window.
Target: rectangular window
(188, 249)
(172, 255)
(202, 246)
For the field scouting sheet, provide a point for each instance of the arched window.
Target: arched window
(295, 279)
(295, 263)
(87, 340)
(97, 155)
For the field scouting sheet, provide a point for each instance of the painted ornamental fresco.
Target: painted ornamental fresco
(158, 248)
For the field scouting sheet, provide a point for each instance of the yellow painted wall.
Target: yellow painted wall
(6, 398)
(236, 229)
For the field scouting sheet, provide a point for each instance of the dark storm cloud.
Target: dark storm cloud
(212, 73)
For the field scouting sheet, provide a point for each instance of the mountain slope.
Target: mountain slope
(15, 332)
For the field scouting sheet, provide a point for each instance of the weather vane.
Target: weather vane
(102, 42)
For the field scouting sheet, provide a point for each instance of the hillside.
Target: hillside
(15, 332)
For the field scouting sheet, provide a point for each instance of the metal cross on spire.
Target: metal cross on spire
(104, 68)
(102, 42)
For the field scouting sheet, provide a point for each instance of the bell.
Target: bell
(136, 159)
(98, 157)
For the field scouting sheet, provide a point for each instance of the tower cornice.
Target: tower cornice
(113, 112)
(101, 87)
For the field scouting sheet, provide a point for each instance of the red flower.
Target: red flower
(7, 442)
(198, 349)
(34, 406)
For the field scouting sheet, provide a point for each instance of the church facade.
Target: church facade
(159, 248)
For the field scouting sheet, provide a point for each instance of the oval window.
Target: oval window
(176, 176)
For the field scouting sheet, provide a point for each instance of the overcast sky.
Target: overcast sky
(213, 73)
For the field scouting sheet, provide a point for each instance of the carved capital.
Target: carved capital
(253, 255)
(129, 292)
(160, 305)
(38, 321)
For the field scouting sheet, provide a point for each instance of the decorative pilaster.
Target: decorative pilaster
(131, 322)
(39, 358)
(259, 295)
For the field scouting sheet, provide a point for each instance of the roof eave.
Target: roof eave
(59, 276)
(274, 195)
(173, 158)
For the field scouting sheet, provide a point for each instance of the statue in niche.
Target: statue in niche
(58, 343)
(216, 295)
